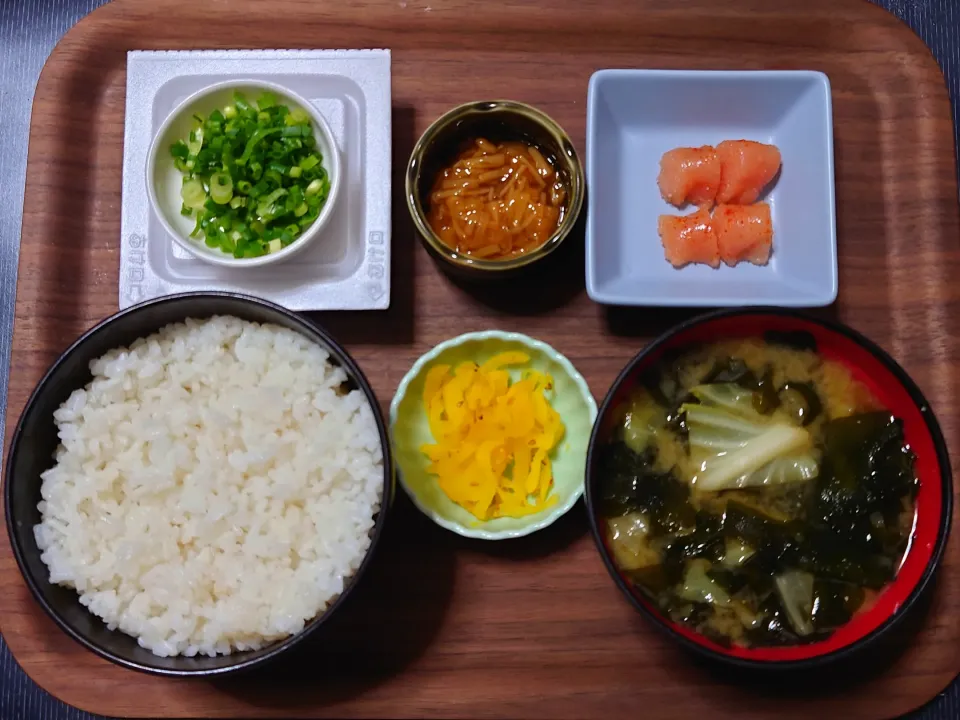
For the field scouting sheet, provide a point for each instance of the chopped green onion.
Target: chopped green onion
(274, 177)
(195, 141)
(309, 162)
(257, 137)
(267, 208)
(221, 188)
(297, 116)
(294, 198)
(252, 177)
(193, 194)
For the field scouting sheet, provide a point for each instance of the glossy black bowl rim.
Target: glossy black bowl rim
(946, 480)
(354, 373)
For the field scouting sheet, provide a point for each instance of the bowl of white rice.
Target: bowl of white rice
(197, 483)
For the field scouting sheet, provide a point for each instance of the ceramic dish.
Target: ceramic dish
(896, 392)
(35, 440)
(634, 116)
(164, 180)
(410, 430)
(495, 120)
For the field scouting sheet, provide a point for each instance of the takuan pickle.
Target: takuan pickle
(493, 437)
(497, 201)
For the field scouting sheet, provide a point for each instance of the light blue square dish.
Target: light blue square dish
(634, 116)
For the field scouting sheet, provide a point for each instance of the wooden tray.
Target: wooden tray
(443, 627)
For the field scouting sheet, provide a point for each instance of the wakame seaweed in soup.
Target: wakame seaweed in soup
(757, 493)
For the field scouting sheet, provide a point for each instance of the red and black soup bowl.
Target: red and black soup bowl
(890, 384)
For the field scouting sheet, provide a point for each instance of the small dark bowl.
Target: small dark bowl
(894, 388)
(35, 440)
(497, 121)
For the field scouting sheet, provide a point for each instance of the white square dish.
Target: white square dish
(634, 116)
(348, 266)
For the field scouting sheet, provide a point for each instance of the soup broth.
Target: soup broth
(756, 492)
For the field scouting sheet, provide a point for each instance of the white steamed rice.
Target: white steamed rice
(214, 487)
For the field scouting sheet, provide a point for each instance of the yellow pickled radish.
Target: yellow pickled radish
(492, 438)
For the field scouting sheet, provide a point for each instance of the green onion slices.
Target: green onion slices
(253, 177)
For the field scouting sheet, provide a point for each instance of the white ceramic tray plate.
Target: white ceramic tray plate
(345, 268)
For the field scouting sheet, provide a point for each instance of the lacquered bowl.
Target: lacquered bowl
(409, 430)
(870, 365)
(495, 120)
(35, 440)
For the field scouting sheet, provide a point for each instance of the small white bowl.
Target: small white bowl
(634, 116)
(164, 180)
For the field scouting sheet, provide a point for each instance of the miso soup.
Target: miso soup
(756, 493)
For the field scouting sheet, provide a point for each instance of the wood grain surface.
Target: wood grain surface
(535, 628)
